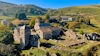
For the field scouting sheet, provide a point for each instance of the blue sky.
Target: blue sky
(55, 4)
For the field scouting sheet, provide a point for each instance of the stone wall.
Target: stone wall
(23, 36)
(16, 36)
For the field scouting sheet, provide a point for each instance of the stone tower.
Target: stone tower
(24, 36)
(37, 23)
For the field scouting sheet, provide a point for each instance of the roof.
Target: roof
(55, 28)
(46, 29)
(49, 29)
(44, 24)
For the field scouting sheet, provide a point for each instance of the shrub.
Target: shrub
(72, 24)
(9, 50)
(5, 35)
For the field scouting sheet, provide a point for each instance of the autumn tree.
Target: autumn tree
(81, 32)
(58, 18)
(72, 24)
(47, 17)
(32, 22)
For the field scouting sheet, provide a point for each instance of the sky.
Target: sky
(55, 4)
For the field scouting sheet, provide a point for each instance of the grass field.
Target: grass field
(96, 22)
(6, 17)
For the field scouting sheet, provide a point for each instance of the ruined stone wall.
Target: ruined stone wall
(22, 38)
(24, 34)
(27, 36)
(56, 32)
(47, 36)
(16, 36)
(40, 33)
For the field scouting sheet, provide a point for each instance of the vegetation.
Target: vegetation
(77, 10)
(6, 36)
(12, 9)
(6, 17)
(47, 17)
(6, 43)
(21, 16)
(87, 21)
(32, 22)
(33, 52)
(9, 50)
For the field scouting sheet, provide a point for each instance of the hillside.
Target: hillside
(4, 5)
(89, 10)
(9, 9)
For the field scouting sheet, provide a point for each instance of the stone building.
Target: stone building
(4, 22)
(64, 18)
(45, 31)
(91, 36)
(70, 34)
(23, 36)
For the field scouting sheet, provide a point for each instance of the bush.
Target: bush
(54, 24)
(6, 36)
(81, 32)
(72, 24)
(9, 50)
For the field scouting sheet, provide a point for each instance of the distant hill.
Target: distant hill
(9, 9)
(75, 10)
(4, 5)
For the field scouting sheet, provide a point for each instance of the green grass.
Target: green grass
(85, 28)
(96, 22)
(33, 52)
(84, 49)
(98, 52)
(61, 52)
(6, 17)
(30, 17)
(54, 43)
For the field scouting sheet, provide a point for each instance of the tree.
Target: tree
(58, 18)
(80, 20)
(47, 17)
(32, 22)
(81, 32)
(21, 16)
(9, 50)
(87, 21)
(46, 21)
(54, 24)
(72, 24)
(98, 30)
(6, 37)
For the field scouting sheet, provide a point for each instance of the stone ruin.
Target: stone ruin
(91, 36)
(70, 34)
(23, 36)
